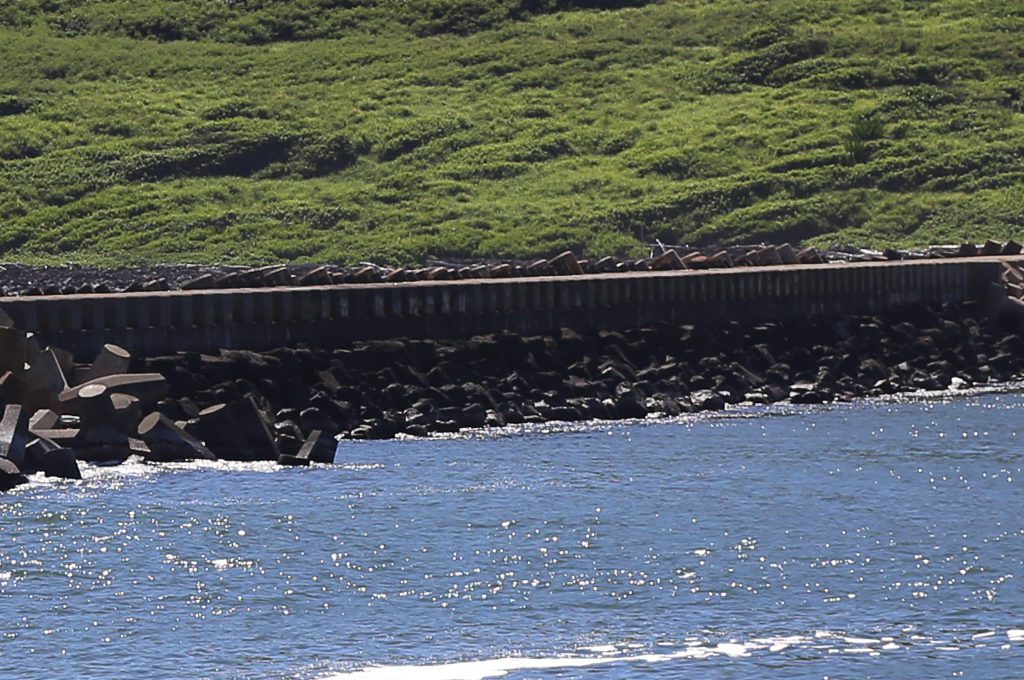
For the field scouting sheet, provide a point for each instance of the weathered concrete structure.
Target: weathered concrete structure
(152, 323)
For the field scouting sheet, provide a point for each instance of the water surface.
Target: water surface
(865, 540)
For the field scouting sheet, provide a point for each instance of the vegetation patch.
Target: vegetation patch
(352, 130)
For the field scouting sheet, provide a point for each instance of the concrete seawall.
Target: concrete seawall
(151, 323)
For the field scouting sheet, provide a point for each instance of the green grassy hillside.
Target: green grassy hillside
(344, 130)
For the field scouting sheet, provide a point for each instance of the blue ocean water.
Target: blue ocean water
(860, 540)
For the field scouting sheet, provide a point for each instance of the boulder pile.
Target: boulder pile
(379, 389)
(76, 279)
(56, 412)
(293, 404)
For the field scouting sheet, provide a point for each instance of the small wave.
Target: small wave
(822, 641)
(496, 668)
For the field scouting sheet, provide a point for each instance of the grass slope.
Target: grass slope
(334, 130)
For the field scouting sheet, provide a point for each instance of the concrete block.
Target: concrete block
(320, 276)
(201, 282)
(60, 462)
(967, 250)
(786, 254)
(168, 442)
(539, 268)
(667, 261)
(127, 411)
(43, 419)
(64, 436)
(14, 434)
(13, 350)
(111, 360)
(810, 256)
(99, 422)
(64, 359)
(721, 259)
(11, 388)
(44, 382)
(32, 347)
(237, 431)
(10, 475)
(148, 388)
(769, 256)
(318, 448)
(52, 459)
(991, 247)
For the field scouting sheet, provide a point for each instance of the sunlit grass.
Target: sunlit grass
(406, 131)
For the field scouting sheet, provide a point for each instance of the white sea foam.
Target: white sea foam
(496, 668)
(835, 643)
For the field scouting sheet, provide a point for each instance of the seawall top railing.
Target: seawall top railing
(159, 322)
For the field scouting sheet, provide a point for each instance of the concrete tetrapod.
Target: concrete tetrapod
(13, 350)
(237, 431)
(111, 360)
(148, 388)
(10, 475)
(54, 460)
(14, 435)
(44, 382)
(100, 438)
(318, 448)
(168, 442)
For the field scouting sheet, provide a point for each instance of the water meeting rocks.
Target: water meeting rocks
(292, 404)
(168, 442)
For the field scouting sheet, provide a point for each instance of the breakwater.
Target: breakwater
(159, 322)
(419, 359)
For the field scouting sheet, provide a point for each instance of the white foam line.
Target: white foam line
(496, 668)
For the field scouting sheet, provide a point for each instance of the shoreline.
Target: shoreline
(292, 405)
(137, 466)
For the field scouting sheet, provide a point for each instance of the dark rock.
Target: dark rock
(14, 434)
(288, 443)
(168, 442)
(707, 400)
(60, 462)
(237, 431)
(417, 430)
(567, 413)
(312, 418)
(630, 405)
(13, 350)
(43, 382)
(10, 475)
(473, 415)
(318, 448)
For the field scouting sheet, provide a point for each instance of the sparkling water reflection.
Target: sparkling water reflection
(861, 540)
